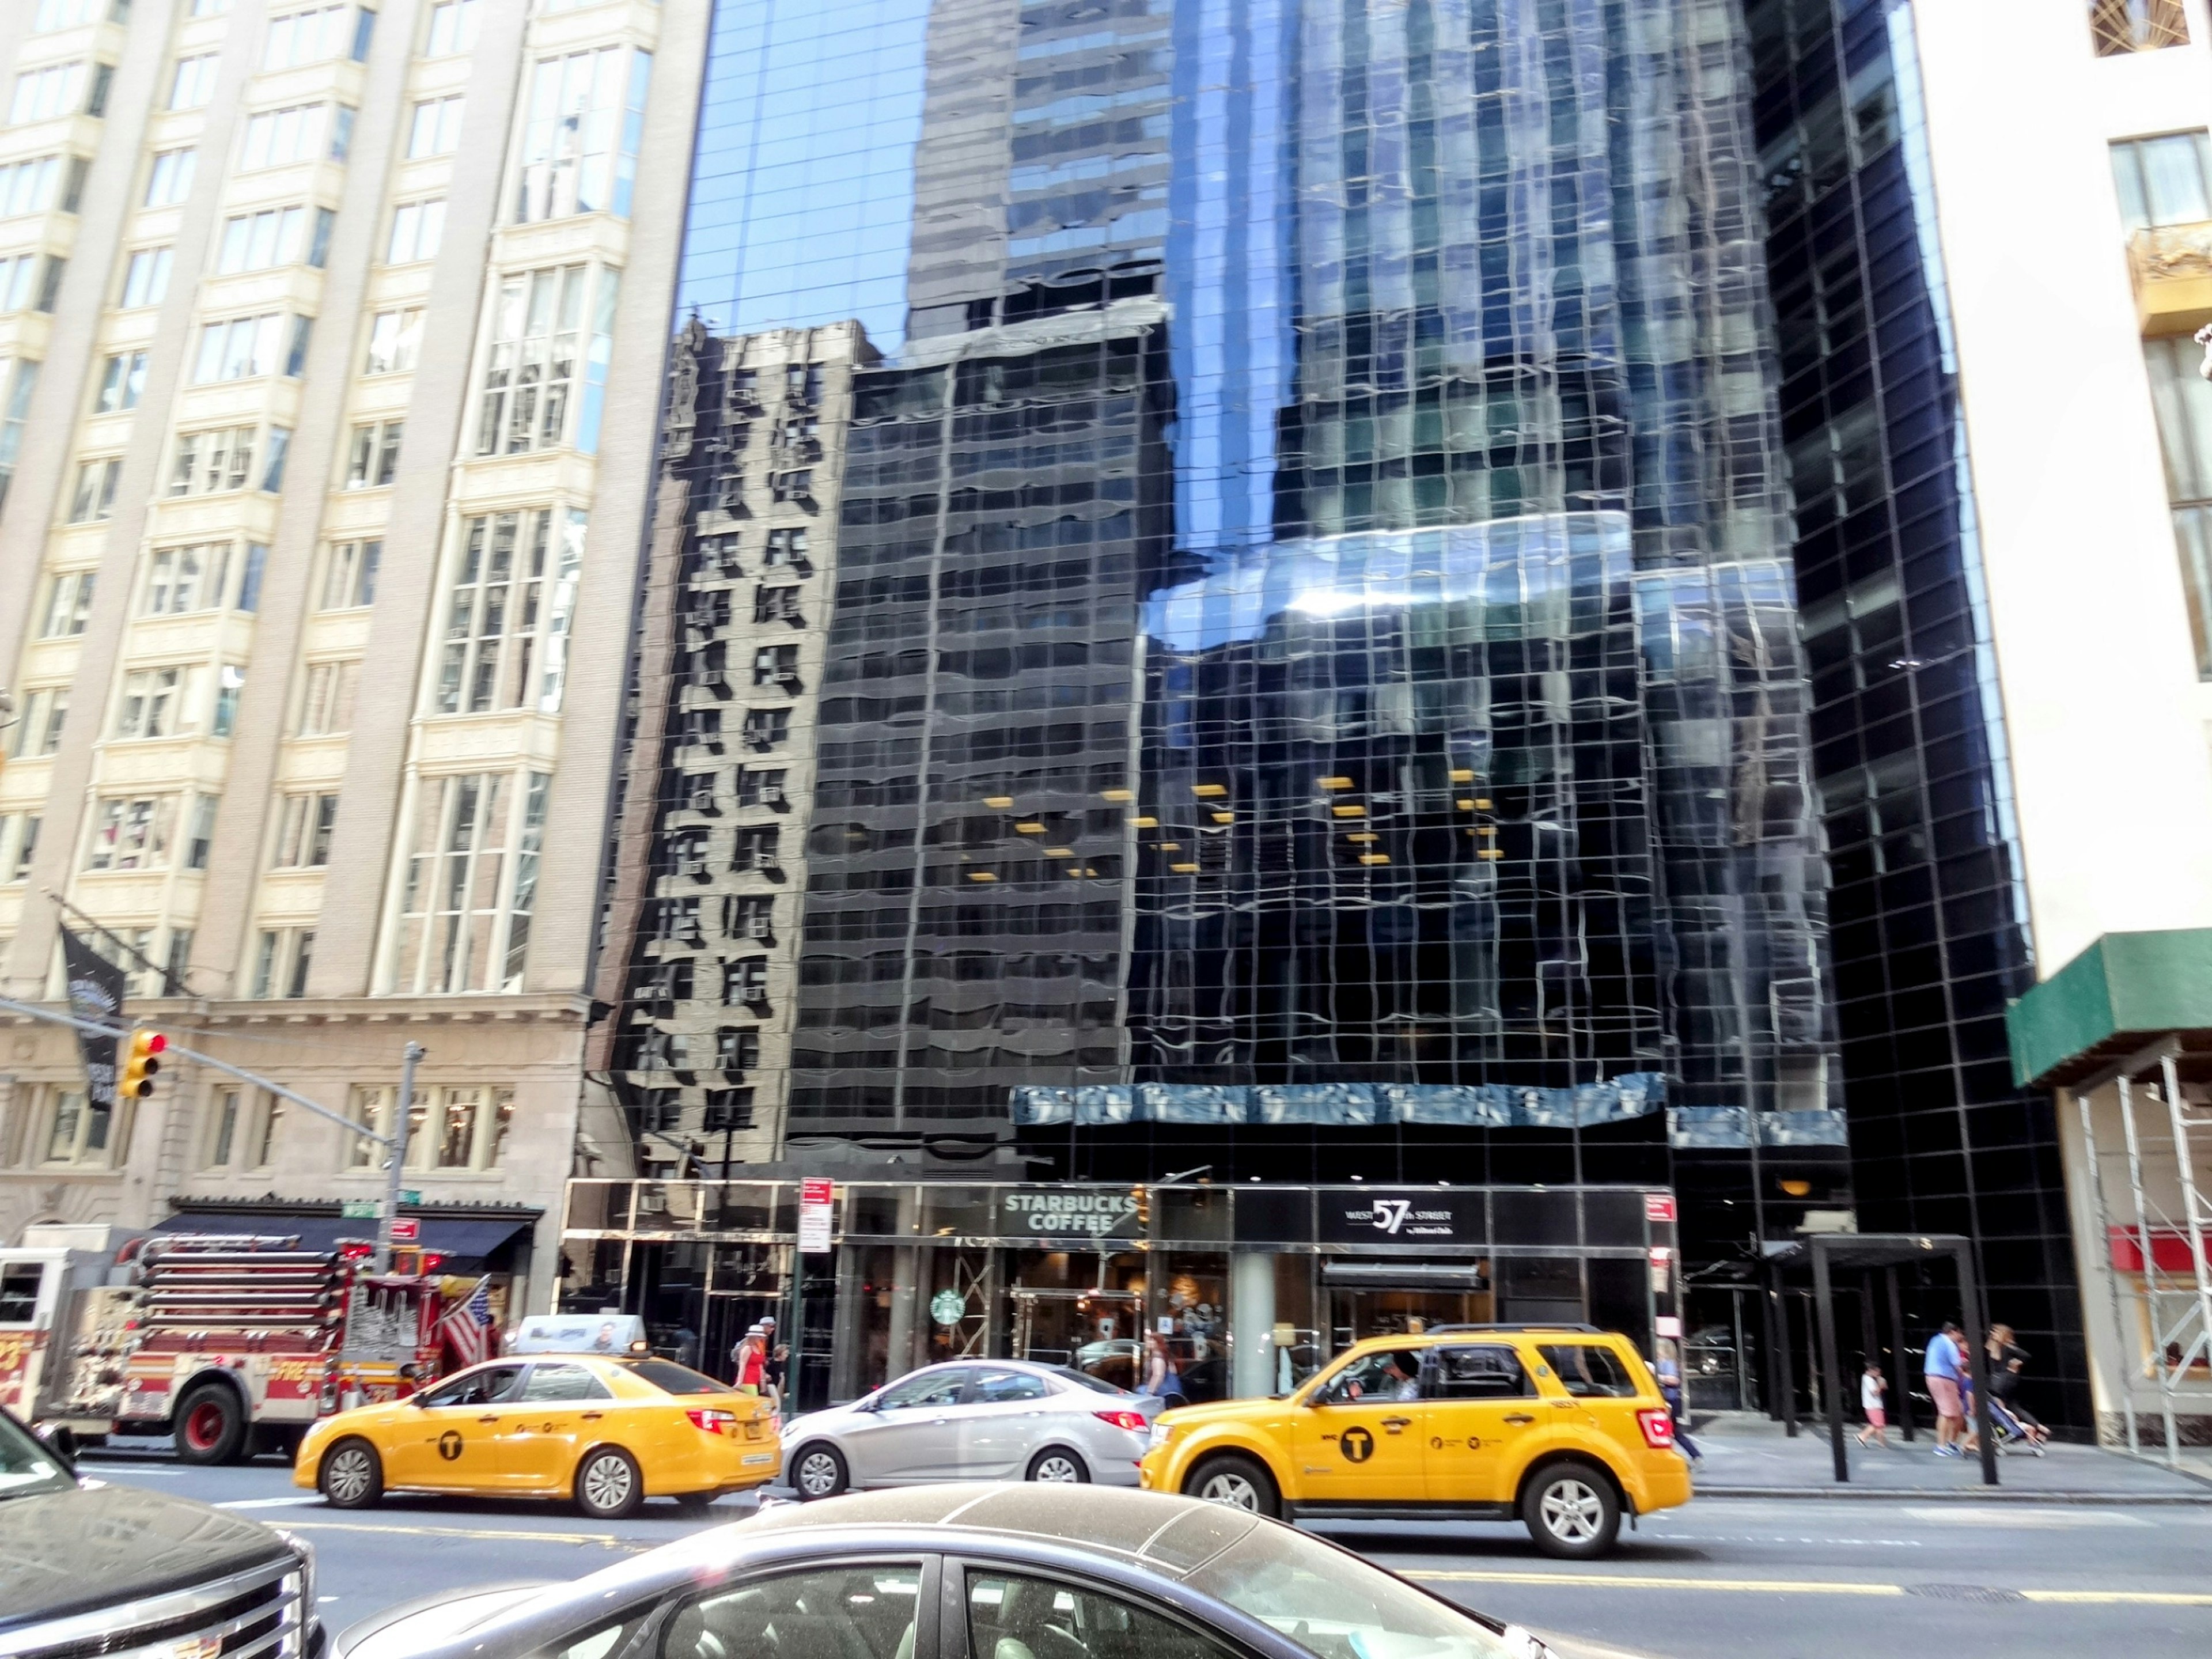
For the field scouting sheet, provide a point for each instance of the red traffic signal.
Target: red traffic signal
(141, 1064)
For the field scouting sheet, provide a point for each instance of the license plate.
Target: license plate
(751, 1458)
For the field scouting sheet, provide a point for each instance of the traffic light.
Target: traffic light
(140, 1066)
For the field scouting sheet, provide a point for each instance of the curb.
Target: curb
(1977, 1494)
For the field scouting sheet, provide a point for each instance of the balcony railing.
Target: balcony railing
(2171, 267)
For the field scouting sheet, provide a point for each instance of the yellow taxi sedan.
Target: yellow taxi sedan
(608, 1432)
(1562, 1428)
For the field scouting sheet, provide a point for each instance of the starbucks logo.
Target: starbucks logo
(449, 1445)
(1358, 1446)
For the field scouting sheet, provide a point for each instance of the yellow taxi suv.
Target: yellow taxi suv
(608, 1432)
(1564, 1428)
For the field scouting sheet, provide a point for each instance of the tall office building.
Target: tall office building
(333, 344)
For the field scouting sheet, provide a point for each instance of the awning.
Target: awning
(462, 1239)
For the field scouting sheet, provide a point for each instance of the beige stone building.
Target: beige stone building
(331, 369)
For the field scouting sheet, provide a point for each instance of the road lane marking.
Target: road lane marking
(1800, 1586)
(613, 1540)
(266, 1502)
(1990, 1514)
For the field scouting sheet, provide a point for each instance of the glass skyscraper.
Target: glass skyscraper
(1295, 662)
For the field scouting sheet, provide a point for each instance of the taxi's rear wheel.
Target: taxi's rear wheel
(608, 1484)
(820, 1471)
(352, 1475)
(1236, 1482)
(1571, 1512)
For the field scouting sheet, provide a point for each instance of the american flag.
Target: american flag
(466, 1326)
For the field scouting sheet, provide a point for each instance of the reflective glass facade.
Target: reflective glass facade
(1928, 918)
(1299, 524)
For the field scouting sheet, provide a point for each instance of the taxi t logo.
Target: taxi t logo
(1358, 1446)
(449, 1445)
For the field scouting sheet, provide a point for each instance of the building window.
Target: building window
(2183, 402)
(373, 457)
(416, 229)
(68, 605)
(767, 728)
(206, 7)
(26, 850)
(223, 1106)
(786, 549)
(508, 621)
(242, 1125)
(278, 136)
(436, 127)
(282, 959)
(455, 1128)
(452, 28)
(212, 463)
(2118, 27)
(122, 381)
(530, 368)
(157, 703)
(586, 113)
(304, 826)
(239, 348)
(42, 94)
(95, 498)
(349, 577)
(777, 665)
(229, 690)
(272, 462)
(200, 837)
(182, 579)
(264, 240)
(19, 279)
(193, 83)
(37, 728)
(326, 700)
(395, 337)
(470, 881)
(146, 278)
(755, 848)
(13, 415)
(249, 585)
(170, 179)
(76, 1130)
(28, 186)
(313, 36)
(2167, 181)
(132, 834)
(53, 14)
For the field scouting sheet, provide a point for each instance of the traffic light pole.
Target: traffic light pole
(402, 1112)
(395, 1143)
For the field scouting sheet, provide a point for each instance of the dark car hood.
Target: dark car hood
(65, 1553)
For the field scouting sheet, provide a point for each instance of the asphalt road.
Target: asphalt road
(1806, 1579)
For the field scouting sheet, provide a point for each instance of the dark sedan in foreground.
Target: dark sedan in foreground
(87, 1568)
(955, 1573)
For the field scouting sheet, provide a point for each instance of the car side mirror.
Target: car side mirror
(418, 1401)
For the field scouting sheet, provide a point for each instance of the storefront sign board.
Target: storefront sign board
(1062, 1212)
(948, 1307)
(1400, 1215)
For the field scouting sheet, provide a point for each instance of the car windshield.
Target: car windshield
(1332, 1603)
(672, 1378)
(26, 1467)
(1097, 1384)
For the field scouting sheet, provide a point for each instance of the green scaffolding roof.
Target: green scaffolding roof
(2123, 993)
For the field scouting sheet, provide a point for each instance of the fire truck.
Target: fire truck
(232, 1344)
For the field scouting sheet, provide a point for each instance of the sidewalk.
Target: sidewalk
(1748, 1456)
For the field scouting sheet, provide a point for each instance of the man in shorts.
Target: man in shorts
(1946, 1357)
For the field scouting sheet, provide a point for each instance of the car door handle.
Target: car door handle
(1395, 1423)
(593, 1417)
(1520, 1417)
(488, 1419)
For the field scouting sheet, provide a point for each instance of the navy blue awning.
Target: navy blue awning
(463, 1239)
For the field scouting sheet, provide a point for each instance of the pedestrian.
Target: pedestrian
(1162, 1380)
(1871, 1388)
(687, 1347)
(748, 1360)
(1942, 1367)
(1668, 1369)
(2007, 1359)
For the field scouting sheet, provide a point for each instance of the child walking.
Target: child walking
(1871, 1388)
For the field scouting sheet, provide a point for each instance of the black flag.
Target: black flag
(95, 993)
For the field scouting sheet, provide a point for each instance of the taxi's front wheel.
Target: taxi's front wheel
(352, 1475)
(1571, 1512)
(608, 1484)
(1238, 1482)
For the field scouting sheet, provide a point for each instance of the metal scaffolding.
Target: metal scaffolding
(2173, 1305)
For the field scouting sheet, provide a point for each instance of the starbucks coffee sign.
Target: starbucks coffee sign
(1067, 1211)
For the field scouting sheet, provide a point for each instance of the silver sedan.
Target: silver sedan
(999, 1419)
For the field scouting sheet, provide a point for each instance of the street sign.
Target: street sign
(409, 1196)
(817, 1202)
(358, 1209)
(1658, 1206)
(406, 1229)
